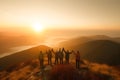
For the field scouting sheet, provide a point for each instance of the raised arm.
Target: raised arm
(52, 51)
(74, 52)
(71, 52)
(63, 50)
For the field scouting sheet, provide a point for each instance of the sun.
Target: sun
(37, 27)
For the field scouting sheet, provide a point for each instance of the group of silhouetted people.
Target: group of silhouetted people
(59, 56)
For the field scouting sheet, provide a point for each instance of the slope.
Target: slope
(21, 56)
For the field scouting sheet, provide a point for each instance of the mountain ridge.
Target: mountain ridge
(101, 51)
(21, 56)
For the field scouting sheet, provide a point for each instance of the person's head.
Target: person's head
(49, 50)
(40, 51)
(78, 52)
(59, 49)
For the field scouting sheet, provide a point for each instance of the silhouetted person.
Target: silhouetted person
(67, 55)
(77, 59)
(61, 55)
(41, 59)
(49, 56)
(56, 56)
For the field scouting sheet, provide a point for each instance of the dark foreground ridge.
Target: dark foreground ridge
(64, 72)
(31, 71)
(69, 72)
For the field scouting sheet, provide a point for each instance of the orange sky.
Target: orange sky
(74, 14)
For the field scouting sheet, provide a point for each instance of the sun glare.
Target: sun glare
(37, 27)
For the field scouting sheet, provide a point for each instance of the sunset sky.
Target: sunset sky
(48, 22)
(77, 14)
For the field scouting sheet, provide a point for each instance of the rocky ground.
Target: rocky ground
(30, 70)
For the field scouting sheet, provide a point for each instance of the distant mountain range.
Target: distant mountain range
(21, 56)
(80, 40)
(100, 48)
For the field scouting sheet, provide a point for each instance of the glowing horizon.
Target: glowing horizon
(78, 14)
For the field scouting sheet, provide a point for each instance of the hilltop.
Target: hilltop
(30, 70)
(21, 56)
